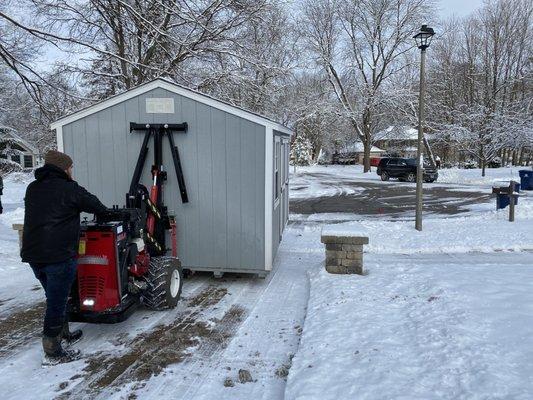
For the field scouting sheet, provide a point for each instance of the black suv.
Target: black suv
(404, 169)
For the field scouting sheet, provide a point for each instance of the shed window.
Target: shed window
(15, 158)
(28, 162)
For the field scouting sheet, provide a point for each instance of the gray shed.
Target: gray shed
(235, 165)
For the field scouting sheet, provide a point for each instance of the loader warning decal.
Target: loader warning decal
(81, 248)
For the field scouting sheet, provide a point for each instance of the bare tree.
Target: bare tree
(360, 44)
(480, 87)
(130, 42)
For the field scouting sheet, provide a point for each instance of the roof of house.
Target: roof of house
(161, 83)
(397, 133)
(7, 130)
(357, 147)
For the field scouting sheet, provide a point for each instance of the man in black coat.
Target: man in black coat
(53, 204)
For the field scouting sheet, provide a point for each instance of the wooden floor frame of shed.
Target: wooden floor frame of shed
(272, 130)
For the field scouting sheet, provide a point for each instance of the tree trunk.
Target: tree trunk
(366, 155)
(316, 155)
(483, 165)
(521, 158)
(429, 152)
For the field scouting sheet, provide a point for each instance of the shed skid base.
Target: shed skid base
(217, 273)
(117, 315)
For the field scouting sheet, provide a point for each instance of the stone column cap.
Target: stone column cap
(354, 233)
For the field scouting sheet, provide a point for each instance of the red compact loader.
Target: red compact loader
(123, 258)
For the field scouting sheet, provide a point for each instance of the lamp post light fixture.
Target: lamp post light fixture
(423, 40)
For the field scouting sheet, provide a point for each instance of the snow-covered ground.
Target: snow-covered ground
(444, 313)
(419, 327)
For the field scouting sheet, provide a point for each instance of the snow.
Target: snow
(397, 133)
(358, 147)
(443, 313)
(488, 232)
(473, 176)
(352, 230)
(433, 327)
(16, 277)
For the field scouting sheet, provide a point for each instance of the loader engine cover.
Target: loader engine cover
(99, 280)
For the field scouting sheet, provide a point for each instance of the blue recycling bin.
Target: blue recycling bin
(526, 179)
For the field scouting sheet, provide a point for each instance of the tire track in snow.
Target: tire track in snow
(149, 353)
(20, 328)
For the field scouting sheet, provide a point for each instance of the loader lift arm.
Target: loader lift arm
(157, 220)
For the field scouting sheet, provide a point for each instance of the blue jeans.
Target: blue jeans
(57, 280)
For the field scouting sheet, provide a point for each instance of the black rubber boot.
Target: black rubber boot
(55, 354)
(70, 337)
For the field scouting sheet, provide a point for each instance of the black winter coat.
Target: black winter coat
(53, 205)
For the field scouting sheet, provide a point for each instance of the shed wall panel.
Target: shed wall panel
(222, 155)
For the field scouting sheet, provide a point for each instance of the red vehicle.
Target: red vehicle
(374, 161)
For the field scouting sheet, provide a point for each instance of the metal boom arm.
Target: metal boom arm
(156, 130)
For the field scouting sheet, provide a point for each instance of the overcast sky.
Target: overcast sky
(459, 8)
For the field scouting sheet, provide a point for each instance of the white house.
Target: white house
(16, 149)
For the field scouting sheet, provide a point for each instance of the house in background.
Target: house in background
(398, 140)
(18, 150)
(354, 154)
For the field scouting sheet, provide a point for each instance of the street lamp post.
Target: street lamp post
(423, 39)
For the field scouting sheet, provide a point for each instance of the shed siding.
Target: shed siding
(222, 155)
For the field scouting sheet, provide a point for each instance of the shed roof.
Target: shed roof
(161, 83)
(397, 133)
(358, 147)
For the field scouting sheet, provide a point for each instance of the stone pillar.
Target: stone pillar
(19, 228)
(344, 253)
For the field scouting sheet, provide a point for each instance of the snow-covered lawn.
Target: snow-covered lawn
(15, 277)
(419, 327)
(442, 314)
(486, 231)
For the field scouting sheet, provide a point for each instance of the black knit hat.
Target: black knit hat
(60, 160)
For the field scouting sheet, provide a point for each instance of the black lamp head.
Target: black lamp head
(423, 38)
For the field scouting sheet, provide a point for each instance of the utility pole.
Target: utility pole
(423, 39)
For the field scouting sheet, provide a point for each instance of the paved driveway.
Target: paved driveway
(393, 199)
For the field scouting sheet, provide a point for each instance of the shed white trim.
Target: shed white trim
(269, 200)
(59, 138)
(174, 88)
